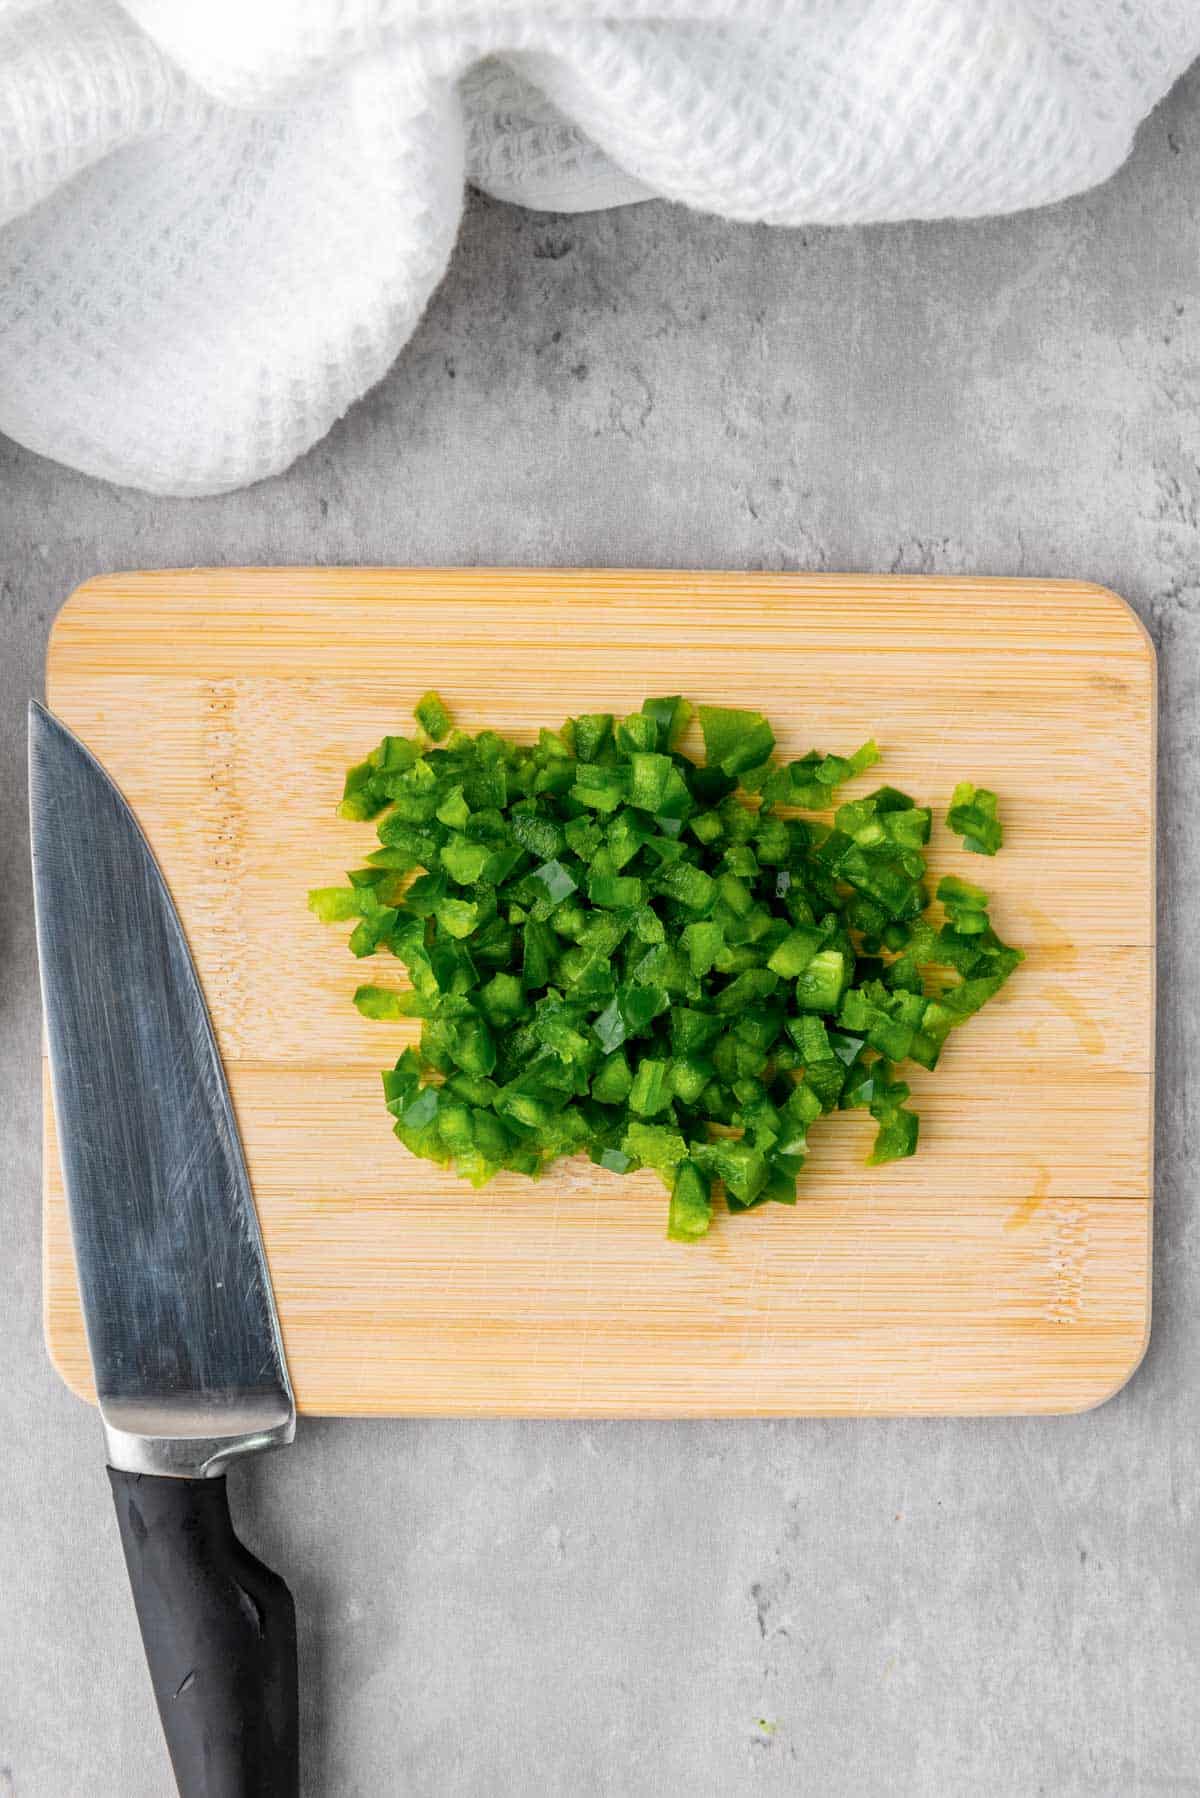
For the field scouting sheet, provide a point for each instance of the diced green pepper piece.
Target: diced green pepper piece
(394, 755)
(557, 880)
(975, 818)
(331, 904)
(453, 811)
(611, 1084)
(670, 718)
(742, 1168)
(502, 999)
(648, 926)
(824, 980)
(703, 942)
(897, 1136)
(707, 828)
(473, 1046)
(609, 1027)
(689, 1077)
(624, 837)
(432, 716)
(601, 787)
(584, 836)
(690, 1212)
(540, 835)
(735, 740)
(615, 1160)
(797, 950)
(688, 886)
(457, 916)
(963, 902)
(773, 842)
(651, 1090)
(692, 1032)
(464, 861)
(538, 952)
(637, 733)
(360, 796)
(655, 1146)
(746, 988)
(593, 734)
(675, 805)
(384, 1002)
(622, 892)
(648, 781)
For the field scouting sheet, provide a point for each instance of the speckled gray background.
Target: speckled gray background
(926, 1609)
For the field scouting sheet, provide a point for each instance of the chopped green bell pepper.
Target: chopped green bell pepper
(613, 949)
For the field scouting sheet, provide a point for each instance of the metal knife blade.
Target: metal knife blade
(181, 1321)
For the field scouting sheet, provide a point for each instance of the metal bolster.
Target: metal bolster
(148, 1439)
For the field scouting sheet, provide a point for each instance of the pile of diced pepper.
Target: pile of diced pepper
(618, 951)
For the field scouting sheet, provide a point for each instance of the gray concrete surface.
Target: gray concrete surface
(919, 1608)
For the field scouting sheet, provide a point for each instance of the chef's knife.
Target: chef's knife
(181, 1323)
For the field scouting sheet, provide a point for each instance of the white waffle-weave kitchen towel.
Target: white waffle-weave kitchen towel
(221, 219)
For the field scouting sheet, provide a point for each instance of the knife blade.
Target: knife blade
(181, 1323)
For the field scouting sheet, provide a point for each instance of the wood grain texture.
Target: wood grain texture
(1005, 1268)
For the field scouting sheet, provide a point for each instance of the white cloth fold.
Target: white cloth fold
(219, 223)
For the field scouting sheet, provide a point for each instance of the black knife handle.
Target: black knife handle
(220, 1636)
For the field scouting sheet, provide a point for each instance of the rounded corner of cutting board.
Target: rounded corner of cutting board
(1128, 618)
(94, 594)
(63, 1352)
(1113, 1384)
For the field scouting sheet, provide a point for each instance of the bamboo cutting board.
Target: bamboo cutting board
(1005, 1268)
